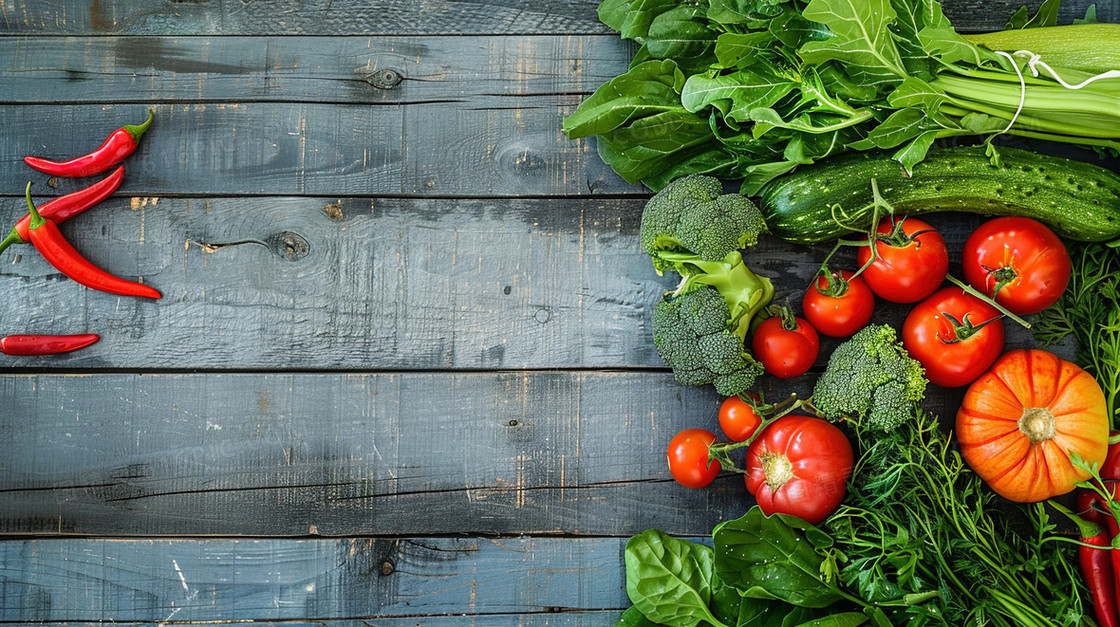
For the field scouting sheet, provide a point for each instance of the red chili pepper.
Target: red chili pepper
(121, 143)
(1110, 469)
(45, 344)
(65, 207)
(1098, 566)
(48, 240)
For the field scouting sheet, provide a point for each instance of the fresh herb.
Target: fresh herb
(751, 89)
(1090, 310)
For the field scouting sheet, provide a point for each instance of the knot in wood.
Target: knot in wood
(385, 79)
(289, 245)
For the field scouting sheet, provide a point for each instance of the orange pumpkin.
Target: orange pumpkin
(1020, 420)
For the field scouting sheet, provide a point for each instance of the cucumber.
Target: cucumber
(833, 198)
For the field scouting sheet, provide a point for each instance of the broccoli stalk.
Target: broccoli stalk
(693, 229)
(871, 378)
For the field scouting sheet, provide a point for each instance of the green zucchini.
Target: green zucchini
(833, 198)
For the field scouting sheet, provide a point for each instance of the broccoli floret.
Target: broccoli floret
(692, 216)
(692, 336)
(871, 378)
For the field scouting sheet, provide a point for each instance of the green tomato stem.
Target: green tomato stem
(987, 299)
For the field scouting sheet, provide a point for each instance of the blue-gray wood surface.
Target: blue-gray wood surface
(402, 372)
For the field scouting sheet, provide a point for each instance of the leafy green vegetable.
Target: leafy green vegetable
(669, 580)
(770, 85)
(1090, 310)
(776, 557)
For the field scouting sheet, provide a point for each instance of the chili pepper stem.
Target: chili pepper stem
(12, 238)
(137, 130)
(36, 219)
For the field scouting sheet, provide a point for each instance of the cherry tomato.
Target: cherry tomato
(1018, 260)
(843, 314)
(738, 419)
(783, 352)
(947, 335)
(799, 466)
(688, 458)
(910, 260)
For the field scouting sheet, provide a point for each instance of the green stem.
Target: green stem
(36, 219)
(12, 238)
(987, 299)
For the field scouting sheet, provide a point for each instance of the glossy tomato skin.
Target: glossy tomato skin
(785, 353)
(905, 274)
(800, 466)
(1019, 422)
(688, 458)
(737, 419)
(927, 335)
(838, 316)
(1026, 250)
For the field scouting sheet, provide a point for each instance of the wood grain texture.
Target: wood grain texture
(432, 149)
(400, 581)
(360, 284)
(394, 17)
(479, 72)
(555, 453)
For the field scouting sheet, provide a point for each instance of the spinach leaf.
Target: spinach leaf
(743, 11)
(634, 618)
(646, 89)
(632, 18)
(735, 94)
(861, 39)
(775, 557)
(650, 145)
(670, 580)
(680, 35)
(843, 619)
(741, 49)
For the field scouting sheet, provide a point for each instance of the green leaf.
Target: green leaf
(1090, 16)
(734, 94)
(794, 31)
(901, 126)
(844, 619)
(916, 150)
(711, 159)
(944, 42)
(861, 38)
(632, 18)
(741, 49)
(1046, 15)
(634, 618)
(651, 144)
(679, 35)
(743, 11)
(646, 89)
(878, 617)
(773, 557)
(914, 92)
(669, 580)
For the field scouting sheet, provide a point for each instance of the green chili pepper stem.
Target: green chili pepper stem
(12, 238)
(36, 219)
(137, 130)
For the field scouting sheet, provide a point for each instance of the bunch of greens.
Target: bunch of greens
(750, 89)
(918, 541)
(1090, 310)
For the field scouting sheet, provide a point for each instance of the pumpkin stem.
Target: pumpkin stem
(777, 468)
(1038, 424)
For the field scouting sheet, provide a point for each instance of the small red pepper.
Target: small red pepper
(45, 344)
(1098, 566)
(121, 143)
(50, 243)
(65, 207)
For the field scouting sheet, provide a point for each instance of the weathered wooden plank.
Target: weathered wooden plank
(402, 581)
(471, 71)
(319, 283)
(395, 17)
(307, 17)
(357, 284)
(269, 148)
(337, 455)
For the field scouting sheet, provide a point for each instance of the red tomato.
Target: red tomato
(688, 458)
(1018, 260)
(907, 267)
(953, 354)
(738, 419)
(842, 315)
(784, 352)
(799, 466)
